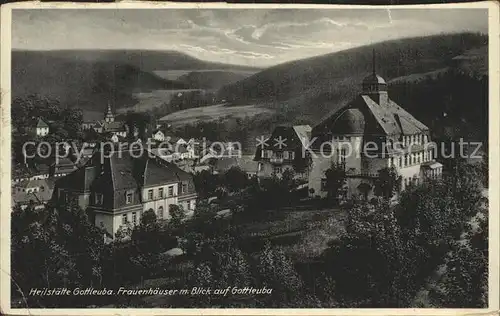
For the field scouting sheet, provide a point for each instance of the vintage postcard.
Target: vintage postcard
(249, 159)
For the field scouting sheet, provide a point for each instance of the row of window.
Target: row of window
(160, 214)
(129, 196)
(125, 219)
(29, 190)
(410, 159)
(170, 191)
(415, 139)
(278, 155)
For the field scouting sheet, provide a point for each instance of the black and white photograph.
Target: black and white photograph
(256, 157)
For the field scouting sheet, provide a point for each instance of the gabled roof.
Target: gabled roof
(41, 124)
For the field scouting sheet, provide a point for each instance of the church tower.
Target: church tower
(109, 117)
(375, 86)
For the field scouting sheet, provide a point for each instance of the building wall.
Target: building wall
(319, 166)
(165, 203)
(409, 172)
(42, 131)
(84, 200)
(267, 169)
(373, 165)
(107, 221)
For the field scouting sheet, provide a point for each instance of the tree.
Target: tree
(177, 214)
(387, 183)
(335, 180)
(385, 276)
(206, 183)
(56, 247)
(465, 281)
(235, 179)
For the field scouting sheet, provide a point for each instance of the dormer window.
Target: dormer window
(98, 198)
(184, 188)
(129, 197)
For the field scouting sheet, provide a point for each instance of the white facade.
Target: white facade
(42, 131)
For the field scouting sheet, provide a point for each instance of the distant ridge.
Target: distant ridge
(90, 79)
(310, 88)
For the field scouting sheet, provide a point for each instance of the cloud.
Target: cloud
(259, 37)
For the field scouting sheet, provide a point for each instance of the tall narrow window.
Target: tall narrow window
(170, 191)
(184, 188)
(124, 219)
(98, 199)
(160, 212)
(150, 194)
(129, 198)
(160, 192)
(134, 218)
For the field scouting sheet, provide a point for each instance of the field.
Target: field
(213, 112)
(176, 73)
(152, 99)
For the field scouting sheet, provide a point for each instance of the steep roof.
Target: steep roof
(41, 124)
(387, 119)
(156, 173)
(123, 172)
(44, 193)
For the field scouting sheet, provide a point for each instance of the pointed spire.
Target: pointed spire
(373, 61)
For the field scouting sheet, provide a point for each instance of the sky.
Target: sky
(251, 37)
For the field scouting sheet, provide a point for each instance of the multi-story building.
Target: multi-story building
(285, 149)
(116, 188)
(371, 133)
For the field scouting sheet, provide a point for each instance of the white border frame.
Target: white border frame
(5, 164)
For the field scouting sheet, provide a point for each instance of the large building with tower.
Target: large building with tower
(369, 134)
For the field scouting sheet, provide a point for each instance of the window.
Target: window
(150, 194)
(285, 155)
(98, 198)
(160, 212)
(170, 191)
(129, 198)
(184, 188)
(160, 192)
(323, 184)
(279, 155)
(292, 155)
(124, 219)
(342, 155)
(188, 205)
(134, 218)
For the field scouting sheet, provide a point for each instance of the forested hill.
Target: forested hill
(309, 89)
